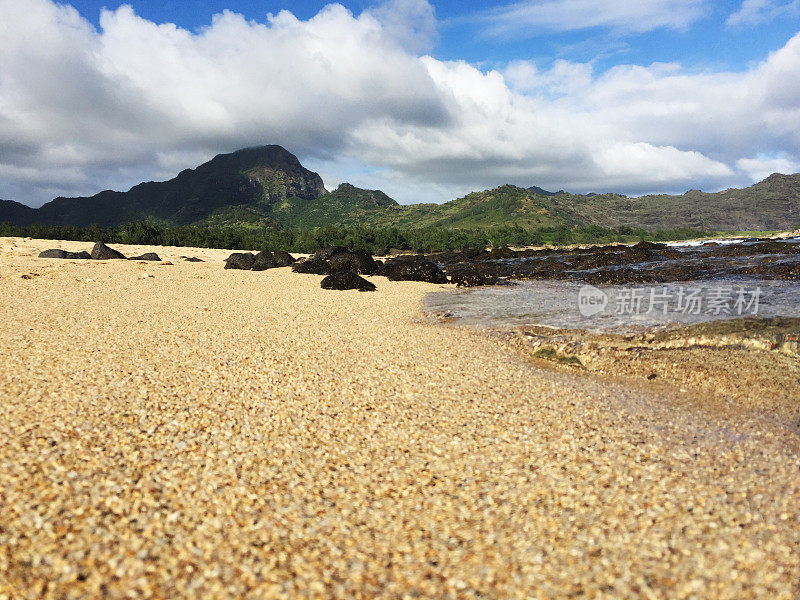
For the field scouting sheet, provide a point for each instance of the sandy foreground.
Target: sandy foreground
(185, 431)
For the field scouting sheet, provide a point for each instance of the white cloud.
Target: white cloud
(563, 78)
(762, 166)
(83, 110)
(136, 92)
(753, 12)
(412, 23)
(534, 16)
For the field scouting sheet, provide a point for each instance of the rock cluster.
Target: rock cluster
(247, 261)
(270, 260)
(641, 263)
(412, 268)
(337, 259)
(99, 252)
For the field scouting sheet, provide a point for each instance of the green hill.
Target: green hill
(771, 204)
(268, 187)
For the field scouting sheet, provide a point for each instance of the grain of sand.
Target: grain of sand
(223, 434)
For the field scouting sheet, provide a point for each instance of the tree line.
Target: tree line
(374, 240)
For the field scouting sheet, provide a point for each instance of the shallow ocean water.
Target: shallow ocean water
(627, 308)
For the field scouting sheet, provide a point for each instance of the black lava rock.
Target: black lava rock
(193, 259)
(358, 261)
(312, 264)
(264, 260)
(146, 256)
(103, 252)
(347, 280)
(283, 258)
(59, 253)
(790, 271)
(500, 253)
(473, 278)
(413, 268)
(240, 260)
(330, 251)
(53, 253)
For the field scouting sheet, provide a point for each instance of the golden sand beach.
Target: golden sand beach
(179, 430)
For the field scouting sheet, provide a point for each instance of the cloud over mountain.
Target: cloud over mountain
(82, 109)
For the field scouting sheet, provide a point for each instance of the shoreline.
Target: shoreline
(233, 433)
(732, 367)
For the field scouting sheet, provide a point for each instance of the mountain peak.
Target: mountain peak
(271, 156)
(351, 193)
(542, 192)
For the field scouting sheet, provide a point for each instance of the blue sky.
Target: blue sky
(707, 43)
(424, 99)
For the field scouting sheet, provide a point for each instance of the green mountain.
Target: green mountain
(771, 204)
(240, 187)
(14, 212)
(267, 186)
(346, 205)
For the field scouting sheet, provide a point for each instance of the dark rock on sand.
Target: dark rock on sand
(192, 259)
(347, 280)
(283, 258)
(412, 268)
(240, 260)
(358, 261)
(146, 256)
(53, 253)
(103, 252)
(312, 264)
(264, 260)
(58, 253)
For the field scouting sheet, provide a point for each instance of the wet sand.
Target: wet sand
(185, 431)
(736, 367)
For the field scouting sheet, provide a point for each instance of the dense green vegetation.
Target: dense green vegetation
(309, 240)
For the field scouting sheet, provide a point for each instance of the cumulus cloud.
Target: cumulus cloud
(753, 12)
(136, 93)
(761, 167)
(412, 23)
(532, 16)
(84, 109)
